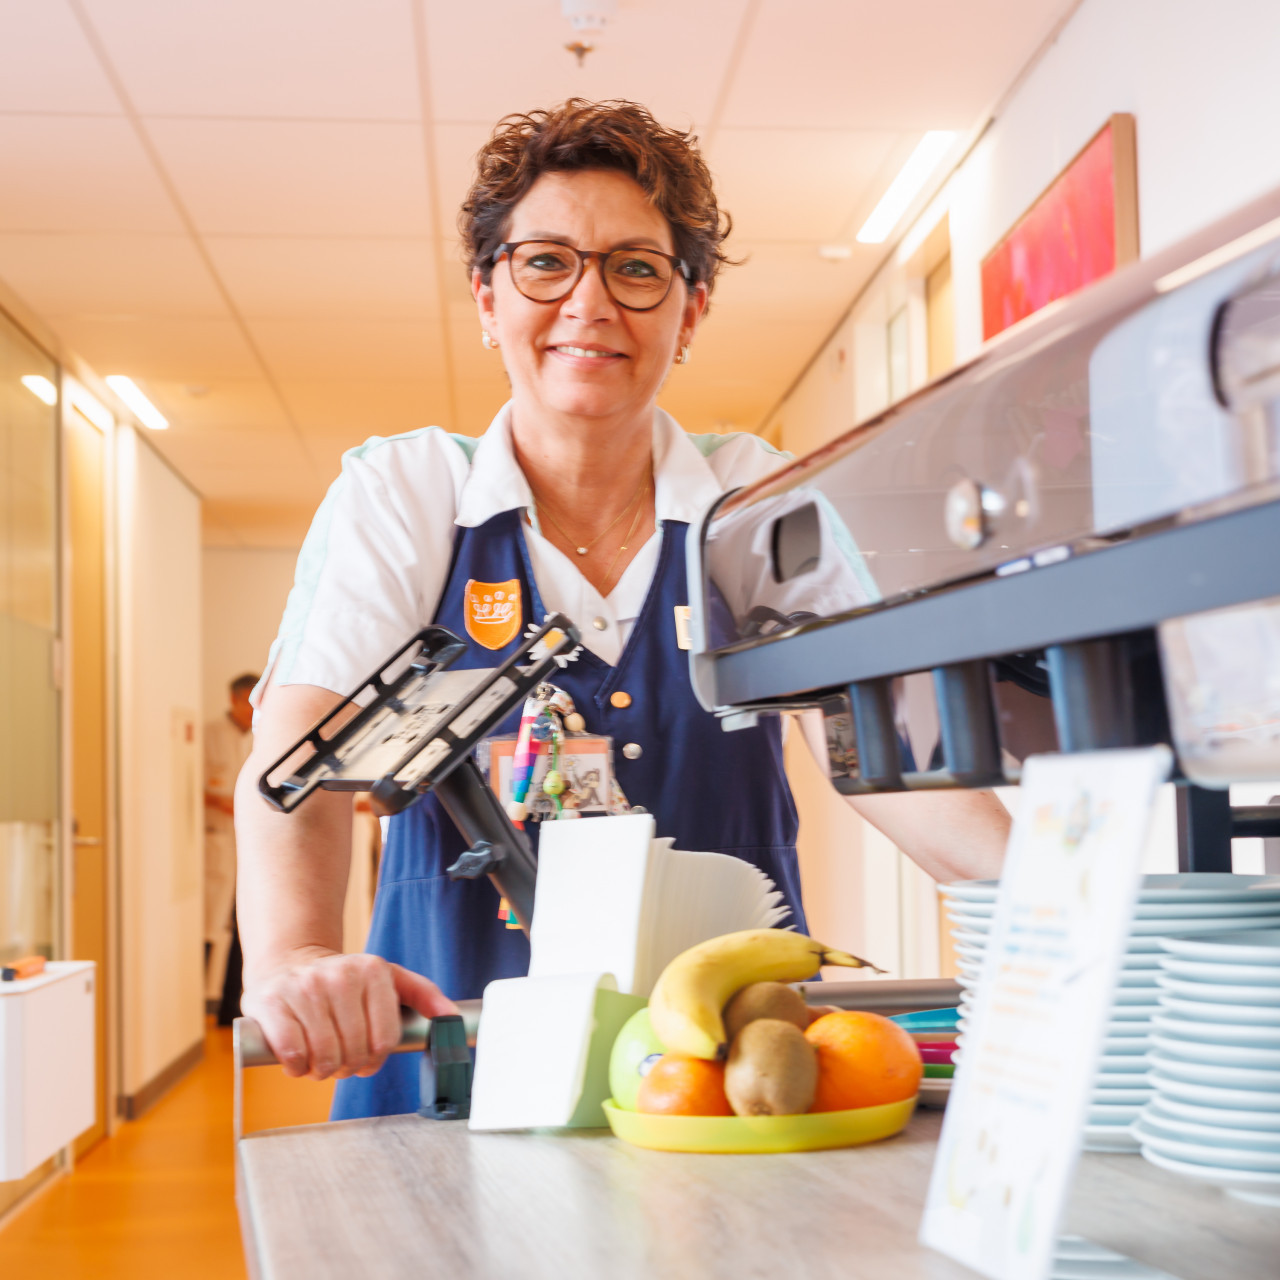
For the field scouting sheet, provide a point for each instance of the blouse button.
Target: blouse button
(621, 700)
(600, 624)
(633, 751)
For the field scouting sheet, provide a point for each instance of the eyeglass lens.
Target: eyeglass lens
(545, 272)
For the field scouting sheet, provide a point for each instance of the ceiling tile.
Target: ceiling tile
(164, 348)
(220, 405)
(211, 460)
(355, 409)
(933, 64)
(79, 173)
(46, 64)
(282, 58)
(256, 524)
(786, 282)
(310, 350)
(816, 177)
(280, 277)
(297, 178)
(109, 274)
(669, 54)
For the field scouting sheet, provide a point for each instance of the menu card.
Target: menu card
(1021, 1095)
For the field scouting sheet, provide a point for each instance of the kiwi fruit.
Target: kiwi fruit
(764, 1000)
(772, 1070)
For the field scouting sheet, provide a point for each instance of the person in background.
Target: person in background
(227, 742)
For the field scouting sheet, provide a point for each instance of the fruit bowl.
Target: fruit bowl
(814, 1131)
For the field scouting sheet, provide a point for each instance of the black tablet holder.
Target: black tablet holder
(411, 727)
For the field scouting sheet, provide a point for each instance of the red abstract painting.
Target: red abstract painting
(1079, 230)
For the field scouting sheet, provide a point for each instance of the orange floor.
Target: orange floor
(157, 1200)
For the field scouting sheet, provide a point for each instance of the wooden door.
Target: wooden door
(86, 461)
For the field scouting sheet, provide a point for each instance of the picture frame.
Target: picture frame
(1079, 229)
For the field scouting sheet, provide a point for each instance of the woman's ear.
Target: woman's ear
(483, 294)
(694, 309)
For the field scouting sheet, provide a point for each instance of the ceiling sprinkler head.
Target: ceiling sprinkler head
(589, 17)
(579, 50)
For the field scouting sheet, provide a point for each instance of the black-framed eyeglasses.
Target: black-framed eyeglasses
(547, 271)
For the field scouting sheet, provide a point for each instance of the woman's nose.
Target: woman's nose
(589, 300)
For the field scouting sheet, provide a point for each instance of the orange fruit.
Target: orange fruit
(864, 1060)
(678, 1085)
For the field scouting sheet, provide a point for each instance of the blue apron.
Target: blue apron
(710, 790)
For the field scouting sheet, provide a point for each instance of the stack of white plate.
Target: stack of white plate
(1167, 905)
(1215, 1063)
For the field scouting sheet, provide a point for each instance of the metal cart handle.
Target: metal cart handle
(249, 1048)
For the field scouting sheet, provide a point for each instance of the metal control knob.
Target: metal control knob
(964, 516)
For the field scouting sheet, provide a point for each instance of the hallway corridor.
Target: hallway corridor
(157, 1200)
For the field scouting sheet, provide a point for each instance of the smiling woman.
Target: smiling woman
(593, 238)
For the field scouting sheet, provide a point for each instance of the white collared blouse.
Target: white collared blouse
(373, 566)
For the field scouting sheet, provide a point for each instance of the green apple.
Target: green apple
(635, 1050)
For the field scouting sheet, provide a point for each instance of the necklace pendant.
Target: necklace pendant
(582, 551)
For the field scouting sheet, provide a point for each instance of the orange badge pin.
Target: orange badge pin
(493, 612)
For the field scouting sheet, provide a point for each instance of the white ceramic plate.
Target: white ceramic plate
(1217, 1032)
(1187, 887)
(1110, 1114)
(1131, 1013)
(1109, 1097)
(1223, 1055)
(1126, 1064)
(1199, 1153)
(1110, 1138)
(1122, 1079)
(1236, 946)
(1124, 1046)
(1215, 1074)
(1244, 1184)
(971, 927)
(1201, 1008)
(1138, 995)
(1265, 1122)
(1134, 978)
(1213, 1135)
(1220, 992)
(1212, 971)
(1215, 1095)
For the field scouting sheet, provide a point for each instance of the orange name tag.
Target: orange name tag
(493, 612)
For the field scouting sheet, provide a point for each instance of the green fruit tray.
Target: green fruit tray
(814, 1131)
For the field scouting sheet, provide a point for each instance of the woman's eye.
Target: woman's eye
(635, 267)
(547, 262)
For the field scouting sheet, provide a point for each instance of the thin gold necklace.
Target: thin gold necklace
(583, 548)
(605, 583)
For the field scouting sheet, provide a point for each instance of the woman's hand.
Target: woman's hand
(328, 1014)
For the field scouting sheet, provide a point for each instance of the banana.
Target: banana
(687, 1000)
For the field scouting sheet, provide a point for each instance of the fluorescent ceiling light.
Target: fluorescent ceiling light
(41, 388)
(128, 391)
(906, 186)
(835, 252)
(91, 408)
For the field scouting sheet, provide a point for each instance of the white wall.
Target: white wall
(161, 810)
(1201, 81)
(244, 593)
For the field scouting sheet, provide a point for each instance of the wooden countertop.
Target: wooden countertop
(404, 1197)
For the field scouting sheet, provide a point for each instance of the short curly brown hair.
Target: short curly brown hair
(580, 135)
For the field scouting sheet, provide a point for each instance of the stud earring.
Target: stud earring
(489, 342)
(682, 356)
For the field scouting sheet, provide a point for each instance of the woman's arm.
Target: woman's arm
(951, 835)
(323, 1013)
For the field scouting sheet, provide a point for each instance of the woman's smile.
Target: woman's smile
(586, 356)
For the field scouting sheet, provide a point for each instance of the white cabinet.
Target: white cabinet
(47, 1064)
